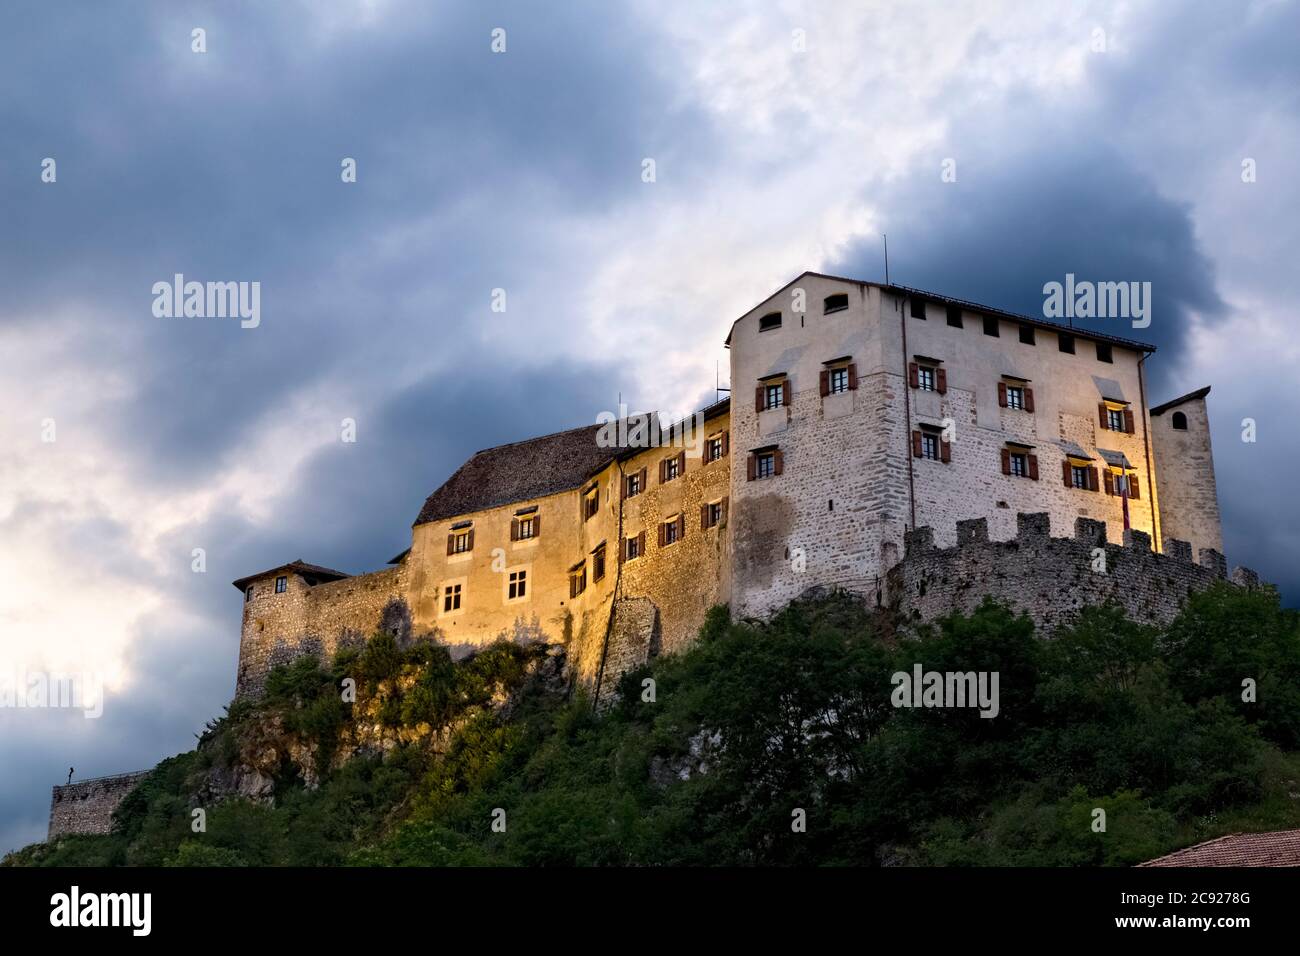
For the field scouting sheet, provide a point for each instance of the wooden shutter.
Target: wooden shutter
(622, 551)
(1066, 473)
(751, 465)
(913, 375)
(853, 377)
(778, 462)
(941, 380)
(945, 451)
(681, 526)
(1002, 394)
(725, 503)
(1033, 467)
(663, 470)
(786, 390)
(573, 585)
(1029, 399)
(1128, 421)
(726, 444)
(916, 444)
(640, 543)
(470, 543)
(514, 529)
(681, 463)
(1101, 414)
(758, 399)
(623, 495)
(1092, 479)
(1109, 481)
(824, 382)
(704, 517)
(537, 526)
(1134, 491)
(1006, 461)
(451, 544)
(642, 485)
(663, 533)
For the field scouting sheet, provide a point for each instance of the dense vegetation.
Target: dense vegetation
(755, 721)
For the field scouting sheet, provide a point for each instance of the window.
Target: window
(770, 321)
(711, 514)
(248, 594)
(774, 395)
(925, 379)
(578, 580)
(835, 303)
(713, 449)
(598, 563)
(1179, 422)
(671, 468)
(991, 326)
(930, 446)
(591, 504)
(670, 532)
(1115, 419)
(633, 548)
(1065, 342)
(1027, 335)
(281, 584)
(954, 316)
(918, 308)
(839, 380)
(1079, 477)
(634, 485)
(517, 585)
(460, 542)
(1016, 397)
(451, 598)
(527, 528)
(1103, 352)
(1019, 464)
(765, 465)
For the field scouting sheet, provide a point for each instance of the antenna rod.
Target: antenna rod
(886, 238)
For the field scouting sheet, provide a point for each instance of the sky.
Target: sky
(501, 156)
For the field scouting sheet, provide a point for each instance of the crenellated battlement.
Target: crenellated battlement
(1051, 579)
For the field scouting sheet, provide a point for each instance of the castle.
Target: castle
(879, 412)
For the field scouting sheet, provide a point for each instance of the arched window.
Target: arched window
(1180, 421)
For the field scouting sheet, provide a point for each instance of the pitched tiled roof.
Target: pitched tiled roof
(300, 566)
(1277, 848)
(517, 472)
(1199, 393)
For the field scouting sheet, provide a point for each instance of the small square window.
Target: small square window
(1079, 476)
(451, 598)
(713, 514)
(918, 308)
(770, 321)
(1026, 335)
(591, 504)
(925, 379)
(930, 446)
(991, 326)
(1115, 416)
(634, 485)
(670, 531)
(670, 467)
(527, 528)
(954, 316)
(1103, 352)
(518, 585)
(839, 380)
(713, 449)
(1016, 397)
(1019, 464)
(578, 580)
(598, 563)
(774, 395)
(765, 465)
(1065, 342)
(633, 548)
(460, 542)
(248, 594)
(835, 303)
(281, 585)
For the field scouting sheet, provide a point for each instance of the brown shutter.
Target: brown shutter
(622, 552)
(725, 502)
(623, 492)
(681, 462)
(824, 382)
(1002, 394)
(1066, 474)
(470, 543)
(1029, 399)
(451, 545)
(643, 481)
(1128, 420)
(916, 444)
(726, 444)
(750, 467)
(1033, 467)
(853, 377)
(1101, 414)
(1092, 479)
(514, 529)
(778, 462)
(945, 452)
(681, 526)
(758, 399)
(663, 470)
(941, 380)
(640, 543)
(663, 531)
(573, 585)
(913, 375)
(1133, 488)
(1006, 461)
(1109, 481)
(704, 517)
(537, 526)
(786, 391)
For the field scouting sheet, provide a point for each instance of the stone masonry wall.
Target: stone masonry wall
(87, 806)
(1050, 579)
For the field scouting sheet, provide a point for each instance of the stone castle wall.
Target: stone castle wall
(87, 806)
(1050, 579)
